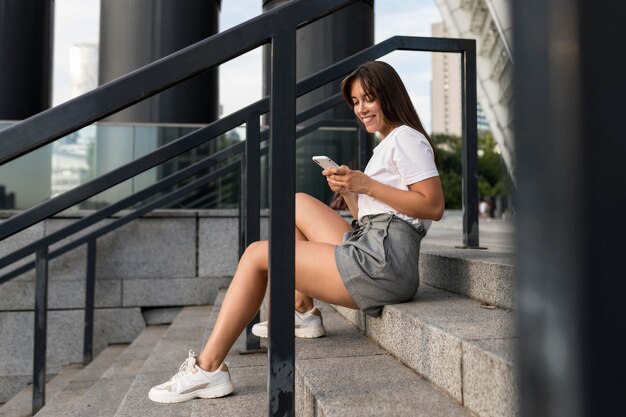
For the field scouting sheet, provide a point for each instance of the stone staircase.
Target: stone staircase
(439, 355)
(463, 348)
(448, 352)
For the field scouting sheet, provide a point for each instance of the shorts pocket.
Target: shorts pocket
(367, 246)
(378, 241)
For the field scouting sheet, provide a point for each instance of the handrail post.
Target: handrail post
(281, 344)
(469, 148)
(243, 203)
(251, 205)
(41, 329)
(90, 289)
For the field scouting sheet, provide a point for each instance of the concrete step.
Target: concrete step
(342, 374)
(71, 395)
(454, 342)
(95, 390)
(345, 374)
(190, 331)
(21, 405)
(463, 353)
(106, 394)
(487, 276)
(484, 275)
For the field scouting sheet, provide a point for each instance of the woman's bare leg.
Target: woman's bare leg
(302, 303)
(316, 277)
(241, 303)
(316, 222)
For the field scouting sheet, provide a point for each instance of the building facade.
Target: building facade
(446, 93)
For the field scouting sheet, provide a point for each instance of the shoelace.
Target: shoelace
(186, 366)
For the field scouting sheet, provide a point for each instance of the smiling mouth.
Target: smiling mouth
(367, 119)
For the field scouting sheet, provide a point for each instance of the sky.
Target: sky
(77, 21)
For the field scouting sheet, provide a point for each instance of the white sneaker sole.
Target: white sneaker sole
(213, 392)
(302, 333)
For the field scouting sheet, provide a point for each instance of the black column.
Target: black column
(25, 57)
(570, 148)
(134, 33)
(325, 42)
(319, 45)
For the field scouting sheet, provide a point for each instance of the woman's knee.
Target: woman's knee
(257, 253)
(303, 204)
(303, 199)
(306, 207)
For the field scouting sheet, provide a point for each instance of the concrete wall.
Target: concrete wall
(165, 259)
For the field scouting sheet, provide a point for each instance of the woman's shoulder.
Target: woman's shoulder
(405, 132)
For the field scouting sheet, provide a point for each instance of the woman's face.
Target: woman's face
(368, 111)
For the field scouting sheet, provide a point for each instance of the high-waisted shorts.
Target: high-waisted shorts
(378, 261)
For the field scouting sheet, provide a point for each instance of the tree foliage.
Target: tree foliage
(492, 172)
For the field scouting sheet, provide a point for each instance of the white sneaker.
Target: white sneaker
(309, 325)
(191, 381)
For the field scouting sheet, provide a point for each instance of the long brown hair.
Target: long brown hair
(383, 84)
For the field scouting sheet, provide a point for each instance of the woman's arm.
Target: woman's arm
(352, 202)
(423, 199)
(350, 198)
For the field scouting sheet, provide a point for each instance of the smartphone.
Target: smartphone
(325, 162)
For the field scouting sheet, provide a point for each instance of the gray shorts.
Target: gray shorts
(378, 261)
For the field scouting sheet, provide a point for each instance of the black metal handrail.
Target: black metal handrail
(160, 186)
(72, 197)
(107, 211)
(331, 73)
(143, 83)
(173, 179)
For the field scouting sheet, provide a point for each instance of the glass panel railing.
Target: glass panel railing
(95, 150)
(26, 181)
(337, 143)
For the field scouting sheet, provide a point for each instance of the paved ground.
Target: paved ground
(496, 235)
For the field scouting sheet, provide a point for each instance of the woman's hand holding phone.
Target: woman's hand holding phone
(342, 179)
(330, 168)
(345, 180)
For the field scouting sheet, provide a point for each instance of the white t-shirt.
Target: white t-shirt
(402, 158)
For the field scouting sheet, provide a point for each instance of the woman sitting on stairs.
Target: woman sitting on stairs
(365, 266)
